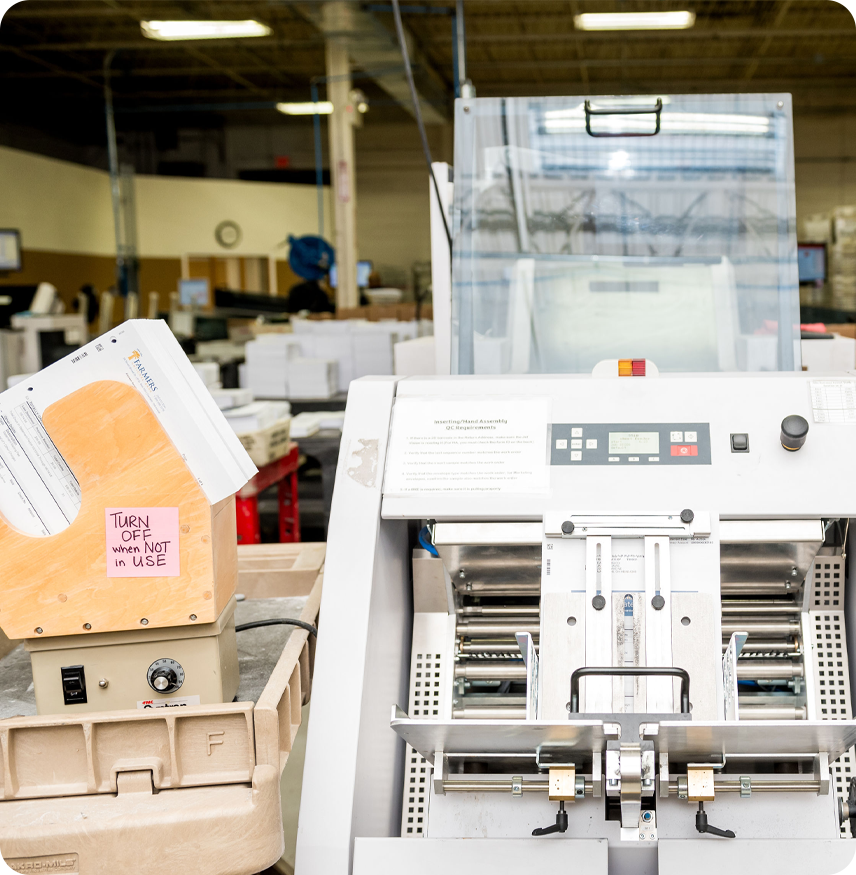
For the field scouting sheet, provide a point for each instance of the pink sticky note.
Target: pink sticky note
(142, 541)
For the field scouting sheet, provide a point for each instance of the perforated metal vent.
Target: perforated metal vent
(425, 687)
(831, 673)
(827, 584)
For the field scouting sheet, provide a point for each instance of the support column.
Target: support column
(341, 129)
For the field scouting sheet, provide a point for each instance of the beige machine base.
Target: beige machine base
(116, 664)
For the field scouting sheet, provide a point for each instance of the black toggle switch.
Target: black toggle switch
(740, 443)
(73, 684)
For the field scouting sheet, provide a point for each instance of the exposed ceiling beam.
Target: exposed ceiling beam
(59, 71)
(695, 34)
(372, 47)
(781, 12)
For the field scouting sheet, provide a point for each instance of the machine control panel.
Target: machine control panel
(641, 444)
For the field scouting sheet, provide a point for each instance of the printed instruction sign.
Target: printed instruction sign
(457, 444)
(833, 400)
(142, 541)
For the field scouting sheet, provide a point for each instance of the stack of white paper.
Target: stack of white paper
(331, 419)
(209, 373)
(267, 360)
(225, 399)
(304, 425)
(309, 423)
(312, 378)
(372, 348)
(39, 494)
(256, 416)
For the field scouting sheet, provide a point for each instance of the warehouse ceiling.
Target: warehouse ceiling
(53, 54)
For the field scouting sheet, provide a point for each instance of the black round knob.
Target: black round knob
(164, 680)
(794, 432)
(687, 516)
(658, 602)
(567, 527)
(598, 602)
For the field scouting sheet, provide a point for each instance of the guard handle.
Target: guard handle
(626, 110)
(629, 671)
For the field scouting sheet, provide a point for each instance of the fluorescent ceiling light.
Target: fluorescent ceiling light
(179, 30)
(323, 107)
(634, 20)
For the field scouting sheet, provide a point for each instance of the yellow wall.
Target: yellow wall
(61, 207)
(58, 206)
(177, 216)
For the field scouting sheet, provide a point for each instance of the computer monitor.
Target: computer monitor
(10, 249)
(811, 262)
(364, 268)
(194, 292)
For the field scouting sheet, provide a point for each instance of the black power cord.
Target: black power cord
(405, 56)
(278, 621)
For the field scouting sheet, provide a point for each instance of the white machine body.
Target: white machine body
(637, 608)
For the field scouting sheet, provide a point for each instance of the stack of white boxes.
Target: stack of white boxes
(267, 364)
(321, 358)
(842, 258)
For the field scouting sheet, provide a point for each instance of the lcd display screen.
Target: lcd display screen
(634, 442)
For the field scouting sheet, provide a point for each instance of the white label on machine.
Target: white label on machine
(174, 702)
(833, 400)
(469, 445)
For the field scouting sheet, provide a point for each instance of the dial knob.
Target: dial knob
(163, 678)
(165, 675)
(794, 432)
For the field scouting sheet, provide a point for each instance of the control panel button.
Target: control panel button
(690, 437)
(615, 458)
(576, 432)
(561, 444)
(794, 432)
(633, 458)
(740, 443)
(591, 444)
(576, 445)
(684, 450)
(576, 456)
(653, 458)
(676, 437)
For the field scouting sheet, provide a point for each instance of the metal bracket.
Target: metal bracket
(821, 769)
(745, 786)
(530, 660)
(664, 775)
(440, 773)
(517, 785)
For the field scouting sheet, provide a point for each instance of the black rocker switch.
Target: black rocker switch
(73, 685)
(740, 443)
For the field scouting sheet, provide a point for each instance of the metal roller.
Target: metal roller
(750, 608)
(759, 645)
(500, 611)
(504, 713)
(496, 630)
(480, 648)
(769, 712)
(769, 669)
(490, 669)
(756, 627)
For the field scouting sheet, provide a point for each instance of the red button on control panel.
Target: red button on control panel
(684, 450)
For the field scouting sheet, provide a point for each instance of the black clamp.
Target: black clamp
(702, 825)
(561, 824)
